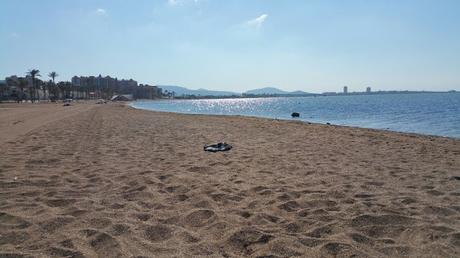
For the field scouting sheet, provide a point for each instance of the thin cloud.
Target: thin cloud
(182, 2)
(257, 22)
(101, 12)
(173, 2)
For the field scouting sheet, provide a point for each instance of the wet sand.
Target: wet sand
(111, 181)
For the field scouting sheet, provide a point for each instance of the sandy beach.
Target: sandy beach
(111, 181)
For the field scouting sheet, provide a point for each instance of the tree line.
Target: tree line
(20, 88)
(32, 88)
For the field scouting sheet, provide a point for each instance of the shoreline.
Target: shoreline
(115, 181)
(130, 104)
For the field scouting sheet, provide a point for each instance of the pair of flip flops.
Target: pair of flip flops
(221, 146)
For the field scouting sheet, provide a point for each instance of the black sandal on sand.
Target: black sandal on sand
(221, 146)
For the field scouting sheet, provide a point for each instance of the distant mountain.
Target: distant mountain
(266, 91)
(182, 91)
(275, 91)
(299, 92)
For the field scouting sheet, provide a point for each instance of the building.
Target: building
(128, 83)
(145, 91)
(4, 90)
(368, 89)
(106, 87)
(23, 87)
(345, 89)
(76, 81)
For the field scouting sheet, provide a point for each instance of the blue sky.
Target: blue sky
(308, 45)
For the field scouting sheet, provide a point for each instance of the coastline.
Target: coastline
(113, 180)
(130, 104)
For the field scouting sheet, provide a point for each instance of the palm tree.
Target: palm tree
(61, 89)
(53, 75)
(44, 86)
(12, 83)
(68, 89)
(3, 89)
(33, 73)
(22, 84)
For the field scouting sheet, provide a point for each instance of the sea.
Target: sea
(423, 113)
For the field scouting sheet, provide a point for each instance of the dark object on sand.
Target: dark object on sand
(328, 123)
(295, 114)
(455, 178)
(66, 104)
(221, 146)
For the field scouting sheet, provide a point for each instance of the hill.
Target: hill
(275, 91)
(182, 91)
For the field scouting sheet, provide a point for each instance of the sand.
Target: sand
(111, 181)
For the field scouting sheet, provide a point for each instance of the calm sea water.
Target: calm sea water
(426, 113)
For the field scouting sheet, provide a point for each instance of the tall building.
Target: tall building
(76, 81)
(106, 87)
(128, 83)
(345, 89)
(368, 89)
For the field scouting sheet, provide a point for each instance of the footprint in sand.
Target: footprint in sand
(340, 250)
(369, 220)
(202, 250)
(322, 232)
(200, 218)
(197, 169)
(62, 252)
(177, 189)
(59, 202)
(284, 249)
(378, 226)
(242, 240)
(119, 229)
(106, 246)
(56, 223)
(289, 206)
(143, 216)
(225, 198)
(189, 237)
(164, 177)
(439, 211)
(68, 243)
(397, 251)
(100, 222)
(14, 255)
(158, 233)
(8, 221)
(361, 239)
(13, 238)
(264, 218)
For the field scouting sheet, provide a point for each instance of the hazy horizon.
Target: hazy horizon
(313, 46)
